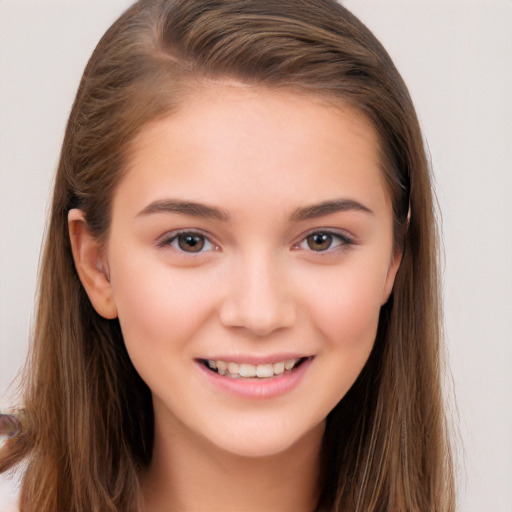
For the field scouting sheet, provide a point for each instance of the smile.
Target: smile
(247, 379)
(250, 371)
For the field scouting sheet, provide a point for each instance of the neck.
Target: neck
(193, 477)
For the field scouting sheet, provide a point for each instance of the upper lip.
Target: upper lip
(255, 360)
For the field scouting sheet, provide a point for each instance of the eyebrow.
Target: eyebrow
(327, 207)
(185, 208)
(202, 210)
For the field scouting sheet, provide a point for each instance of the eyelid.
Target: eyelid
(346, 239)
(169, 237)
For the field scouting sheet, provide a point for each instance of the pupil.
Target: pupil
(191, 243)
(319, 241)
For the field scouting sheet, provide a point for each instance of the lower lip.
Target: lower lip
(257, 388)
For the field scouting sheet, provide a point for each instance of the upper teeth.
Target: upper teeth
(251, 370)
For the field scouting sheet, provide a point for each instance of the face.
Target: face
(249, 254)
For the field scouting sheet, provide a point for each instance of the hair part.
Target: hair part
(88, 420)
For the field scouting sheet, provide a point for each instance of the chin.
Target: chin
(265, 442)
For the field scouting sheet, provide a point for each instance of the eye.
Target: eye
(323, 241)
(188, 241)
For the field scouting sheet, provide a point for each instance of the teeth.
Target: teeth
(221, 367)
(246, 370)
(265, 370)
(278, 368)
(233, 367)
(288, 365)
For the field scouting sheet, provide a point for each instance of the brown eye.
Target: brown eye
(187, 242)
(190, 242)
(319, 241)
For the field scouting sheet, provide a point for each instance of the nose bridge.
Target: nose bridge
(258, 298)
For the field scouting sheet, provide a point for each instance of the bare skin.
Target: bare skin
(213, 480)
(253, 231)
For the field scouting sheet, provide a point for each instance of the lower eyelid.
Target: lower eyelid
(168, 239)
(343, 240)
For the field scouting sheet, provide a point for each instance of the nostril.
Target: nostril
(261, 319)
(257, 298)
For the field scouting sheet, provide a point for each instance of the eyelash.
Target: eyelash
(173, 239)
(341, 241)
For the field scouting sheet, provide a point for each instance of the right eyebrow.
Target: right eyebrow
(185, 208)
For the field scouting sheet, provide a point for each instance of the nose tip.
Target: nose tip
(260, 319)
(258, 303)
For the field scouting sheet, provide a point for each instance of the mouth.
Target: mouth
(234, 370)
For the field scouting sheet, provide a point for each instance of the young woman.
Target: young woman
(238, 305)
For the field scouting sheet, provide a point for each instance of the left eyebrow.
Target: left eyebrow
(326, 208)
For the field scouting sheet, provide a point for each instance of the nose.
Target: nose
(258, 298)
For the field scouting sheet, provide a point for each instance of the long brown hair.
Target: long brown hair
(87, 416)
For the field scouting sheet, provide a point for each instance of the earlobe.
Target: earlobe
(91, 265)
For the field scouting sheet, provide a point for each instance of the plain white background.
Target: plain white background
(456, 58)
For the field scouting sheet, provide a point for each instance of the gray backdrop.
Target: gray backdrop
(455, 57)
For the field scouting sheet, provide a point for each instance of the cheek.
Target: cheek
(159, 307)
(346, 310)
(347, 317)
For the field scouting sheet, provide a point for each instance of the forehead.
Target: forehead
(228, 137)
(235, 105)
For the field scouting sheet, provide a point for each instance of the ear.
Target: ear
(91, 265)
(390, 277)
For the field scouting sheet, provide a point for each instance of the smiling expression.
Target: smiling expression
(249, 254)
